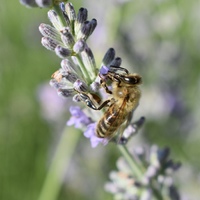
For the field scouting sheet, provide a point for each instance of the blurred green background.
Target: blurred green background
(160, 39)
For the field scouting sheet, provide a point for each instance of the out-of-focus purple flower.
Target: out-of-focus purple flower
(90, 133)
(52, 105)
(79, 119)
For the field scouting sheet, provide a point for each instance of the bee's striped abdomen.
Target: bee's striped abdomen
(110, 122)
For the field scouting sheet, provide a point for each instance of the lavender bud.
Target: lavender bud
(28, 3)
(82, 15)
(49, 31)
(132, 129)
(70, 76)
(55, 84)
(108, 57)
(93, 24)
(63, 52)
(70, 66)
(67, 38)
(49, 43)
(128, 132)
(116, 62)
(79, 46)
(62, 6)
(89, 62)
(80, 86)
(70, 11)
(139, 123)
(43, 3)
(66, 92)
(66, 18)
(81, 18)
(67, 65)
(86, 29)
(54, 19)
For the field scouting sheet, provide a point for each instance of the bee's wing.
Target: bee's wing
(129, 118)
(122, 126)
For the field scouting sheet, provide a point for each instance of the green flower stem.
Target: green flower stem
(136, 170)
(83, 69)
(60, 162)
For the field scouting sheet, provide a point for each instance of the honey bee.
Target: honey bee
(125, 95)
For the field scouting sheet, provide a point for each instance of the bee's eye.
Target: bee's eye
(132, 80)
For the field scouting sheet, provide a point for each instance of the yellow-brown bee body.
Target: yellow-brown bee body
(125, 95)
(126, 98)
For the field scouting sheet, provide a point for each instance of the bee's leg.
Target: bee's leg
(87, 100)
(103, 84)
(105, 87)
(117, 79)
(116, 68)
(113, 77)
(105, 103)
(84, 97)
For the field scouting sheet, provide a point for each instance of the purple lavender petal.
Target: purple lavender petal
(90, 130)
(75, 111)
(90, 133)
(95, 141)
(104, 70)
(79, 119)
(71, 121)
